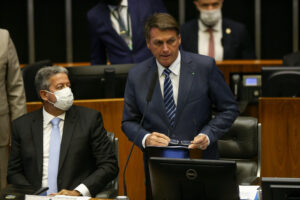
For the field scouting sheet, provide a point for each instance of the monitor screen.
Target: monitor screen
(280, 188)
(188, 179)
(99, 81)
(280, 81)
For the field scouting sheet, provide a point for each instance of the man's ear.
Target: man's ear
(44, 95)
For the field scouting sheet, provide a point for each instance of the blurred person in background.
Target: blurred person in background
(116, 27)
(215, 36)
(12, 97)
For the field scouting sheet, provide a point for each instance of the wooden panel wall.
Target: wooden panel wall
(280, 121)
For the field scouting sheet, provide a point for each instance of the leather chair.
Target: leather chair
(29, 72)
(112, 188)
(242, 144)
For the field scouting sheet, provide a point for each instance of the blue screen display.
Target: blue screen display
(251, 81)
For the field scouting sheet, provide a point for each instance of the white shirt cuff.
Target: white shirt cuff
(83, 190)
(144, 140)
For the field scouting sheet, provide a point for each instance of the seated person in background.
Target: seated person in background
(116, 28)
(215, 36)
(61, 146)
(12, 97)
(292, 59)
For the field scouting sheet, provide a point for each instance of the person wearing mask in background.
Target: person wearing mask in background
(215, 36)
(116, 28)
(61, 146)
(12, 97)
(187, 86)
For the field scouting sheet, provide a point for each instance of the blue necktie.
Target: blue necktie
(53, 156)
(168, 98)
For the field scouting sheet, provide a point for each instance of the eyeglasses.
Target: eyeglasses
(179, 142)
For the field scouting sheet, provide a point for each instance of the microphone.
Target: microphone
(236, 79)
(148, 99)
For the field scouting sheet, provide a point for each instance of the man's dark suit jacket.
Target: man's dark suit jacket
(201, 85)
(236, 44)
(86, 154)
(105, 41)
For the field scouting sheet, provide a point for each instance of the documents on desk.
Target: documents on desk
(57, 197)
(249, 192)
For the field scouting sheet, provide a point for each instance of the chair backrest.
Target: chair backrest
(29, 72)
(112, 188)
(242, 144)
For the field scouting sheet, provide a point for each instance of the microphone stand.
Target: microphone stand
(148, 99)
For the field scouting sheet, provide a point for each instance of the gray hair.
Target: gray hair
(43, 75)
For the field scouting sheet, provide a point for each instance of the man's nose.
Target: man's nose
(165, 47)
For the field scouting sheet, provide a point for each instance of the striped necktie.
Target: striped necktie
(168, 98)
(54, 156)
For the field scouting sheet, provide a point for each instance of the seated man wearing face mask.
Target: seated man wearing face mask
(217, 37)
(61, 146)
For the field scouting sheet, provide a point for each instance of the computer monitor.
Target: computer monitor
(99, 81)
(188, 179)
(280, 188)
(280, 81)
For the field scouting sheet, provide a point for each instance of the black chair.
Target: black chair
(292, 59)
(112, 188)
(242, 144)
(29, 72)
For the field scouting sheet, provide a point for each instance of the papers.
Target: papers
(57, 197)
(249, 192)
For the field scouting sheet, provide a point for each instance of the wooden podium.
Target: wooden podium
(280, 120)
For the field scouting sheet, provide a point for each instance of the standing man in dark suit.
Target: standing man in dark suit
(196, 85)
(215, 36)
(116, 28)
(61, 146)
(187, 87)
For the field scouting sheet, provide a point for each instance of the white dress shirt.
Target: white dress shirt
(47, 128)
(203, 41)
(125, 16)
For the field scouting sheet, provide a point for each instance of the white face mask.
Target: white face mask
(210, 17)
(64, 98)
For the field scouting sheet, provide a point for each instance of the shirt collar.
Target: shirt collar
(216, 28)
(174, 67)
(48, 117)
(124, 3)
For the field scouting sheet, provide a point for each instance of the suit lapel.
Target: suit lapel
(134, 21)
(157, 99)
(107, 21)
(69, 125)
(185, 83)
(37, 135)
(225, 39)
(194, 36)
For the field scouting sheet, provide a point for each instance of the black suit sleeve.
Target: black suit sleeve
(15, 168)
(106, 163)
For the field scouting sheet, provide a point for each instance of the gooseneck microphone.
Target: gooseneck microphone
(148, 99)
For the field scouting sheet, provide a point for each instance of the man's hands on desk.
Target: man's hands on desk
(201, 141)
(67, 192)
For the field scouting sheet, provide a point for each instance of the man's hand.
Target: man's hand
(157, 139)
(67, 192)
(199, 142)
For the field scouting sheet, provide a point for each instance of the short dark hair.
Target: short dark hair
(162, 21)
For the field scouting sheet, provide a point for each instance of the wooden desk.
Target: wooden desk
(280, 137)
(111, 110)
(244, 66)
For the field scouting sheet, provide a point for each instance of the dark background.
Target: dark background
(50, 39)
